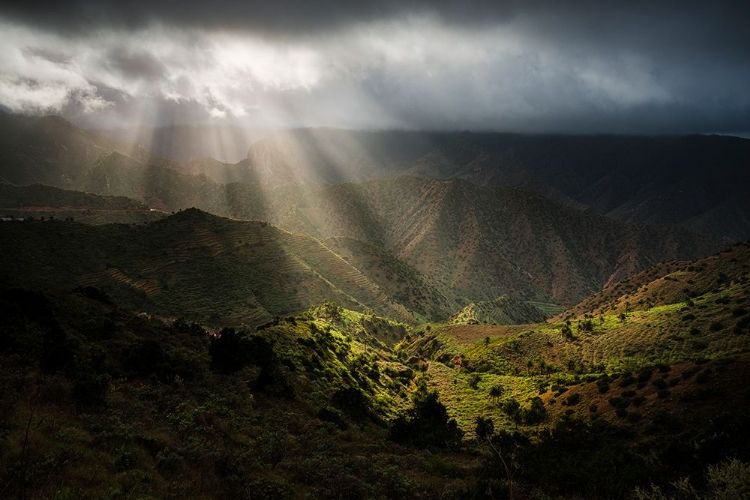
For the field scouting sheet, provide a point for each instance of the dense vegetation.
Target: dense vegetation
(100, 402)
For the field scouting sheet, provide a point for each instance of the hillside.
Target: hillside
(692, 181)
(670, 371)
(38, 201)
(480, 242)
(668, 283)
(211, 269)
(435, 246)
(52, 151)
(100, 400)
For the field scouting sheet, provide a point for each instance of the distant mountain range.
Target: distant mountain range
(697, 182)
(467, 236)
(241, 340)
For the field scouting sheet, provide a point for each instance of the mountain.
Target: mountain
(401, 247)
(49, 150)
(185, 143)
(331, 403)
(693, 181)
(215, 270)
(38, 200)
(467, 242)
(481, 242)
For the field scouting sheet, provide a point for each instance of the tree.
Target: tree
(536, 413)
(484, 427)
(474, 380)
(496, 392)
(512, 408)
(426, 424)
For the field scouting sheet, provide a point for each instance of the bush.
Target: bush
(484, 427)
(90, 389)
(352, 401)
(426, 424)
(619, 402)
(703, 376)
(660, 383)
(572, 399)
(634, 417)
(536, 413)
(332, 416)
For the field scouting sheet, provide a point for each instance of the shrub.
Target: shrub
(634, 417)
(645, 375)
(484, 427)
(619, 402)
(716, 326)
(352, 401)
(659, 383)
(536, 413)
(426, 424)
(332, 416)
(573, 399)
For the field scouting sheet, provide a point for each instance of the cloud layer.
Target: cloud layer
(593, 67)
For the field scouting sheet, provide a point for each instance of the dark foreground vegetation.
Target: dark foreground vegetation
(100, 402)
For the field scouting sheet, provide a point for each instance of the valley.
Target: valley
(433, 322)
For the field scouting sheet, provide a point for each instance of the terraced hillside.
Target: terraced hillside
(479, 242)
(696, 182)
(680, 348)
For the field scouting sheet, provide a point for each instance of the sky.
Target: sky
(535, 66)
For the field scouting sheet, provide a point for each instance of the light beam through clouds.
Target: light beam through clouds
(535, 70)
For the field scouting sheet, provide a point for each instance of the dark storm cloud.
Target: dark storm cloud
(280, 16)
(135, 64)
(533, 66)
(723, 23)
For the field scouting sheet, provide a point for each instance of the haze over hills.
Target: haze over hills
(693, 181)
(481, 241)
(473, 242)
